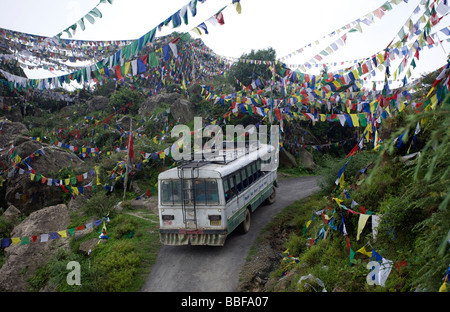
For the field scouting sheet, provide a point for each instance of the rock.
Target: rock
(29, 195)
(22, 261)
(287, 159)
(15, 114)
(307, 160)
(97, 103)
(89, 245)
(12, 213)
(124, 123)
(9, 131)
(180, 108)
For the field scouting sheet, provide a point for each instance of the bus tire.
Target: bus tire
(245, 225)
(272, 197)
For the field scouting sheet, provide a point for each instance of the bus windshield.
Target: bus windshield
(206, 192)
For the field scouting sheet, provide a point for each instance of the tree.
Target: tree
(123, 96)
(247, 72)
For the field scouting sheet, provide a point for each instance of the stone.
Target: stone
(22, 261)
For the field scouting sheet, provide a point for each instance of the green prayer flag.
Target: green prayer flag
(352, 256)
(153, 60)
(362, 120)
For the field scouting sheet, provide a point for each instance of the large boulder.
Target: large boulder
(9, 131)
(97, 103)
(11, 214)
(180, 108)
(307, 160)
(287, 159)
(27, 195)
(23, 259)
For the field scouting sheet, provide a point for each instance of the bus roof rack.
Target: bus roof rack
(225, 156)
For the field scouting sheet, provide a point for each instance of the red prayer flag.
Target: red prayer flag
(277, 113)
(130, 146)
(353, 151)
(118, 72)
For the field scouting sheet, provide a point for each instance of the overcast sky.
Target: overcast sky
(285, 25)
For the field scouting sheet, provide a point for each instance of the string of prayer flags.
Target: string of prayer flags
(25, 240)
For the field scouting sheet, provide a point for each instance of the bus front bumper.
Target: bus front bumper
(193, 237)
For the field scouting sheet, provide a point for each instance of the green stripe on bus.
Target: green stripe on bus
(239, 216)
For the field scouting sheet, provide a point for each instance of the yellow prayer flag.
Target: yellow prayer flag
(238, 7)
(336, 84)
(97, 172)
(196, 30)
(66, 181)
(368, 130)
(434, 101)
(63, 233)
(355, 120)
(338, 201)
(380, 58)
(361, 224)
(308, 223)
(341, 182)
(15, 240)
(364, 251)
(162, 155)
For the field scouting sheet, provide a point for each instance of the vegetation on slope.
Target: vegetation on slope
(411, 197)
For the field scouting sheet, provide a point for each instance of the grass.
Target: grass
(118, 264)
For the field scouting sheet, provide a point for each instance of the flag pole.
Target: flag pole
(128, 161)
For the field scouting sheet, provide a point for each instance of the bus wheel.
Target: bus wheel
(245, 225)
(272, 197)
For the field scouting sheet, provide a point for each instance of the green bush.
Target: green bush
(116, 266)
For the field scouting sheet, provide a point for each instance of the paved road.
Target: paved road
(217, 269)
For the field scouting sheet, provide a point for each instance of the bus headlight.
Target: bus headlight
(214, 220)
(167, 219)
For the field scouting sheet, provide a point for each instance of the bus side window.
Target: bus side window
(249, 173)
(254, 171)
(233, 186)
(244, 175)
(238, 181)
(258, 168)
(226, 190)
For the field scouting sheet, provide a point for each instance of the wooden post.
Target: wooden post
(128, 160)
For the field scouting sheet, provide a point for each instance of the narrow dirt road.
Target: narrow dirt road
(216, 269)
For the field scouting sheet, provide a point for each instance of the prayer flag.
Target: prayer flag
(361, 224)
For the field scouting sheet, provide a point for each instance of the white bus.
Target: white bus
(201, 202)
